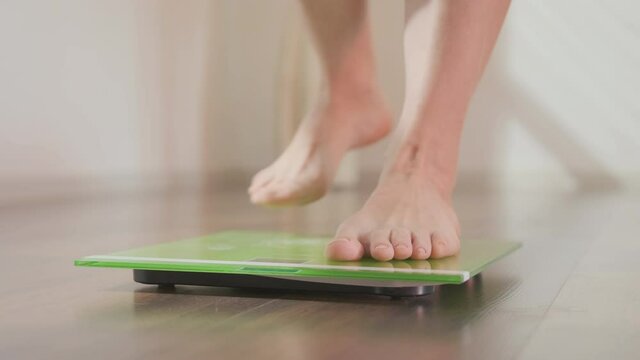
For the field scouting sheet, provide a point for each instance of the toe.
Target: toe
(281, 192)
(401, 241)
(263, 186)
(286, 193)
(444, 245)
(259, 196)
(380, 246)
(421, 246)
(265, 195)
(260, 179)
(272, 193)
(344, 248)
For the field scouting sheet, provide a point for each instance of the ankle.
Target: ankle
(353, 96)
(412, 164)
(444, 185)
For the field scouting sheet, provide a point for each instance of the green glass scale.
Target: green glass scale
(275, 260)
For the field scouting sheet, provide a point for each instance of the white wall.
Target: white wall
(559, 101)
(248, 49)
(68, 91)
(96, 89)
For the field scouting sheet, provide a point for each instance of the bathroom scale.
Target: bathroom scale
(276, 260)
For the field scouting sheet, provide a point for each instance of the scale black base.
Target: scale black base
(165, 279)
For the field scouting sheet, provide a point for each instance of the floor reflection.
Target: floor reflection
(322, 323)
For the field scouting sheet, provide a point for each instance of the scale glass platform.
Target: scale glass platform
(275, 260)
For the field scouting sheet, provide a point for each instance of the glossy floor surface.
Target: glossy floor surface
(572, 291)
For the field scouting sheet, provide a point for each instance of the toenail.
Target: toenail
(341, 240)
(382, 247)
(401, 246)
(421, 252)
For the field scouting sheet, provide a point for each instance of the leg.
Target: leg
(349, 112)
(410, 213)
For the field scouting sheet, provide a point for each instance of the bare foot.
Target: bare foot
(304, 171)
(407, 216)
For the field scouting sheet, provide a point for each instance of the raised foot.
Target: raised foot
(405, 217)
(305, 170)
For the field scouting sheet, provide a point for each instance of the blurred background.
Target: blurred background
(104, 95)
(127, 123)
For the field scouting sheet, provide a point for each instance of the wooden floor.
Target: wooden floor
(572, 291)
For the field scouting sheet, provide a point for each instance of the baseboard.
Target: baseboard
(30, 190)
